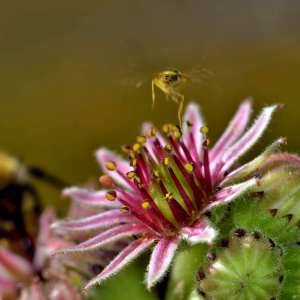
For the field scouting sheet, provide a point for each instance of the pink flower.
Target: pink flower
(165, 194)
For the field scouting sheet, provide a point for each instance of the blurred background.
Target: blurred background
(70, 70)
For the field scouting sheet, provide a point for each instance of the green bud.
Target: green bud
(245, 266)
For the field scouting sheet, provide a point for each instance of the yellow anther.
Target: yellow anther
(130, 175)
(136, 147)
(133, 162)
(148, 133)
(165, 129)
(124, 209)
(110, 165)
(125, 148)
(131, 155)
(169, 197)
(137, 180)
(155, 174)
(204, 129)
(176, 128)
(141, 139)
(189, 123)
(145, 204)
(206, 142)
(168, 148)
(153, 131)
(177, 134)
(111, 195)
(166, 161)
(190, 167)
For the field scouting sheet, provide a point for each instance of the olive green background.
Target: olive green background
(69, 69)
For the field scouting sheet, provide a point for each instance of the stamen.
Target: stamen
(137, 180)
(111, 195)
(180, 215)
(136, 147)
(125, 148)
(194, 148)
(176, 148)
(110, 165)
(124, 209)
(168, 226)
(131, 155)
(141, 139)
(133, 162)
(206, 167)
(204, 129)
(140, 217)
(198, 195)
(130, 175)
(179, 187)
(145, 204)
(106, 181)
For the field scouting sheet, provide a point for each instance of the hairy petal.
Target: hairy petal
(8, 288)
(193, 114)
(108, 218)
(201, 231)
(248, 139)
(95, 198)
(231, 193)
(103, 156)
(64, 291)
(125, 257)
(161, 259)
(36, 292)
(234, 131)
(107, 237)
(253, 165)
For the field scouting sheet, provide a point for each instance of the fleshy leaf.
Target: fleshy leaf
(105, 219)
(161, 258)
(107, 237)
(200, 232)
(253, 165)
(130, 253)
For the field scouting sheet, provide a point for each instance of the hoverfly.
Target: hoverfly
(171, 82)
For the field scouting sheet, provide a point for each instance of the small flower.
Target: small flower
(165, 194)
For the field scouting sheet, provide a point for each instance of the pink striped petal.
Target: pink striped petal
(125, 257)
(248, 139)
(107, 237)
(201, 231)
(103, 156)
(253, 165)
(14, 266)
(193, 114)
(64, 291)
(149, 143)
(233, 132)
(95, 198)
(231, 193)
(8, 288)
(108, 218)
(36, 292)
(161, 259)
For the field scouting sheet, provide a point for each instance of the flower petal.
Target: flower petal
(201, 231)
(8, 288)
(231, 193)
(149, 143)
(14, 266)
(95, 198)
(36, 292)
(125, 257)
(64, 291)
(248, 139)
(250, 167)
(193, 114)
(108, 218)
(161, 259)
(103, 156)
(107, 237)
(233, 132)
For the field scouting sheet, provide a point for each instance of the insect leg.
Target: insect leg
(153, 95)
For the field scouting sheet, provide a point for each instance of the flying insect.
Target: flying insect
(171, 82)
